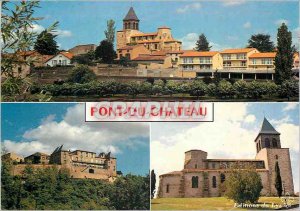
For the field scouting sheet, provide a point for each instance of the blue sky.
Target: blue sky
(226, 23)
(30, 127)
(231, 135)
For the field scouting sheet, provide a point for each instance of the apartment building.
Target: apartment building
(237, 58)
(262, 61)
(194, 60)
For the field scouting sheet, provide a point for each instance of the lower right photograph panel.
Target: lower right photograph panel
(247, 158)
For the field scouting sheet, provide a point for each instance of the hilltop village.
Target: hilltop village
(160, 54)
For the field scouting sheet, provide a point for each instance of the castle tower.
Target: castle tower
(131, 21)
(269, 150)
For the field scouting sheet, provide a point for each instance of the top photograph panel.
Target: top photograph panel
(79, 51)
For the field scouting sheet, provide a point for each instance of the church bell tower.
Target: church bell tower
(269, 149)
(131, 21)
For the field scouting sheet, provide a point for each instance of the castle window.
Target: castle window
(213, 165)
(276, 157)
(267, 143)
(214, 182)
(222, 178)
(195, 182)
(167, 189)
(274, 143)
(196, 166)
(91, 171)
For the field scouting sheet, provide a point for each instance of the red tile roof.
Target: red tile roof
(145, 34)
(238, 50)
(199, 54)
(263, 55)
(67, 54)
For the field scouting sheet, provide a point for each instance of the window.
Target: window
(276, 157)
(274, 143)
(188, 60)
(267, 143)
(222, 178)
(91, 171)
(54, 62)
(167, 188)
(213, 165)
(196, 166)
(253, 61)
(64, 62)
(214, 182)
(195, 182)
(243, 63)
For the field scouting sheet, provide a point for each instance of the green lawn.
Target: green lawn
(214, 203)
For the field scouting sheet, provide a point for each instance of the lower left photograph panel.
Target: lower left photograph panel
(52, 159)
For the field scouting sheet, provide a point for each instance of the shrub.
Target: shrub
(197, 88)
(270, 88)
(146, 88)
(225, 89)
(159, 83)
(255, 89)
(211, 89)
(243, 185)
(240, 88)
(81, 74)
(133, 88)
(288, 89)
(171, 87)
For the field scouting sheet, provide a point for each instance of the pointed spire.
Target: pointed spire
(131, 16)
(267, 128)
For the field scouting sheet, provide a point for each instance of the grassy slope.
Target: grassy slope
(214, 203)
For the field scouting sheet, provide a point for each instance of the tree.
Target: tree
(202, 44)
(81, 74)
(261, 42)
(243, 185)
(240, 88)
(153, 183)
(256, 90)
(284, 56)
(110, 31)
(105, 51)
(146, 88)
(86, 59)
(288, 89)
(198, 88)
(225, 89)
(45, 43)
(278, 182)
(17, 20)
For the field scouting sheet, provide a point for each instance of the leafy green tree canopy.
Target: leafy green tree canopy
(261, 42)
(105, 51)
(46, 44)
(284, 56)
(202, 44)
(110, 31)
(81, 74)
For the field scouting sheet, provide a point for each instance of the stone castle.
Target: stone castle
(80, 163)
(203, 177)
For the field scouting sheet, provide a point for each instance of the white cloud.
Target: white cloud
(62, 33)
(247, 25)
(74, 132)
(228, 3)
(189, 7)
(290, 106)
(37, 28)
(226, 137)
(281, 21)
(250, 118)
(189, 41)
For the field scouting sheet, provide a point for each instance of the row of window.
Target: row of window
(237, 56)
(204, 60)
(195, 182)
(262, 61)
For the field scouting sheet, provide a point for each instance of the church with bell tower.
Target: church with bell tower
(130, 36)
(204, 177)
